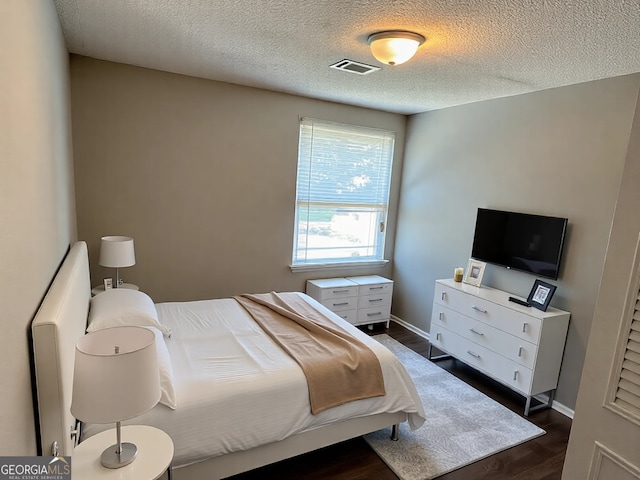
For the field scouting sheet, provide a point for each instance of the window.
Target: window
(343, 180)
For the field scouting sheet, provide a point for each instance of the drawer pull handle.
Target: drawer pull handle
(520, 352)
(441, 315)
(438, 336)
(444, 296)
(478, 309)
(524, 327)
(473, 354)
(515, 374)
(376, 288)
(473, 330)
(376, 300)
(373, 314)
(346, 290)
(339, 304)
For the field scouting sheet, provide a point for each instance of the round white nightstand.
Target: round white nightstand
(155, 452)
(100, 288)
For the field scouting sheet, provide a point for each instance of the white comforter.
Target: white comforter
(236, 389)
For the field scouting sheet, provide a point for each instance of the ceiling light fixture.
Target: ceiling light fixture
(394, 47)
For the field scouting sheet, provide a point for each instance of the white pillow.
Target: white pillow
(168, 396)
(120, 307)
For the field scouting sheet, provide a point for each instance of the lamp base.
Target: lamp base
(111, 459)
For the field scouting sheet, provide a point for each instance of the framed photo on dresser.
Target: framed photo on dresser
(474, 273)
(541, 294)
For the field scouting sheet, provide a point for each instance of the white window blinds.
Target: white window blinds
(628, 392)
(343, 180)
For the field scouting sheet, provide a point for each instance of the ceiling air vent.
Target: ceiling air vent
(354, 67)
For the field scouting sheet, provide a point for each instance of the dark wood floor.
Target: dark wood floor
(538, 459)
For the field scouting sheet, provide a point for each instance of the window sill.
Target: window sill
(309, 267)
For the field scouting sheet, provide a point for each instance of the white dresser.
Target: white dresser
(362, 300)
(519, 346)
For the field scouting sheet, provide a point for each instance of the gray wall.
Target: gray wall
(170, 159)
(555, 152)
(36, 195)
(201, 174)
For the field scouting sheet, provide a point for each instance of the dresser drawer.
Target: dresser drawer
(376, 288)
(338, 304)
(510, 320)
(329, 288)
(496, 366)
(350, 316)
(372, 284)
(509, 346)
(375, 314)
(376, 300)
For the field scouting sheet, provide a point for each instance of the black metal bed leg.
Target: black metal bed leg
(395, 432)
(437, 357)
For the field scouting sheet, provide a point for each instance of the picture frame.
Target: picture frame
(108, 283)
(541, 294)
(474, 273)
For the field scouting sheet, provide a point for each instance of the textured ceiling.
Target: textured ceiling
(475, 49)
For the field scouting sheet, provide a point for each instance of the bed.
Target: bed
(212, 432)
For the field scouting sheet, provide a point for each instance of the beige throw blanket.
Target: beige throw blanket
(339, 368)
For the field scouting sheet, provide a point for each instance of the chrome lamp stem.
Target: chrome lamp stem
(120, 454)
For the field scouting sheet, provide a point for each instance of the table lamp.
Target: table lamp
(117, 252)
(115, 378)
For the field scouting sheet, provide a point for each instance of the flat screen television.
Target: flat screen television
(520, 241)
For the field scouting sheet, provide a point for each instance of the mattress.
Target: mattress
(236, 389)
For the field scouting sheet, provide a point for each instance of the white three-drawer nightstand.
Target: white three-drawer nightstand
(363, 300)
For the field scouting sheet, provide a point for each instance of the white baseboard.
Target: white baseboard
(411, 327)
(557, 406)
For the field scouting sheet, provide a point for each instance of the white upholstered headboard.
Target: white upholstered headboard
(61, 320)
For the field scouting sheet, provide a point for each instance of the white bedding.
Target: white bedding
(236, 389)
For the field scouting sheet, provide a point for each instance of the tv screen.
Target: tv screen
(520, 241)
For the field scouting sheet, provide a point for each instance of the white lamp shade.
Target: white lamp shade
(111, 387)
(117, 251)
(394, 47)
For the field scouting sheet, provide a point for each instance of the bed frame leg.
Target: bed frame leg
(395, 432)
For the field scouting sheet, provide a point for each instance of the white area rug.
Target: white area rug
(463, 425)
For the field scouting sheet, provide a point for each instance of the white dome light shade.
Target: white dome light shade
(394, 47)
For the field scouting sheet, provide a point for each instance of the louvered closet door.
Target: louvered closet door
(627, 395)
(605, 434)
